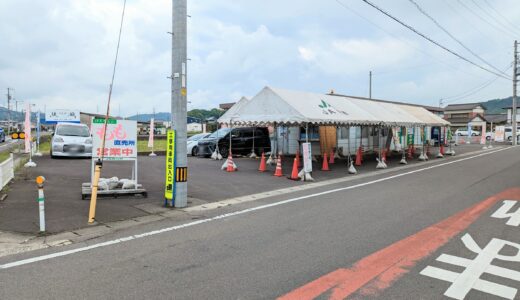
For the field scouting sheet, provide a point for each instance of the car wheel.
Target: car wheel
(224, 151)
(509, 138)
(194, 151)
(488, 138)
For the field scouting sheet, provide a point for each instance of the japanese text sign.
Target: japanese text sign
(120, 141)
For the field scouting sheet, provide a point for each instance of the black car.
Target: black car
(241, 141)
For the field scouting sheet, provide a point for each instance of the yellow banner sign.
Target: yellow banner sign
(170, 165)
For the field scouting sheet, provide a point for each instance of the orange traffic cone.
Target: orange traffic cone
(325, 166)
(442, 149)
(278, 171)
(331, 158)
(230, 164)
(298, 158)
(383, 155)
(359, 160)
(262, 163)
(294, 173)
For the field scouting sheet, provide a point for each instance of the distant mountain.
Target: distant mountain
(495, 106)
(16, 116)
(201, 114)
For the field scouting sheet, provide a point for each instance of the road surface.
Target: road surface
(430, 232)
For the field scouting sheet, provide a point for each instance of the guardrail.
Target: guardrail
(6, 171)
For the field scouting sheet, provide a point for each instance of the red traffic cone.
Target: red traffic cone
(298, 158)
(262, 163)
(325, 166)
(383, 155)
(278, 171)
(230, 164)
(331, 158)
(294, 173)
(359, 160)
(442, 149)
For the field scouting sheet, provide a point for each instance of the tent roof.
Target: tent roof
(230, 113)
(273, 105)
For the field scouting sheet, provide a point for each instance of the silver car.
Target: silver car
(71, 140)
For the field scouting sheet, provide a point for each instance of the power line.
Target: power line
(453, 37)
(501, 15)
(461, 15)
(345, 6)
(498, 21)
(483, 19)
(473, 90)
(433, 41)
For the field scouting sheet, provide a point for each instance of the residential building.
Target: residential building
(462, 115)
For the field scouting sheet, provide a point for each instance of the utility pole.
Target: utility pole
(370, 85)
(9, 111)
(440, 102)
(515, 79)
(179, 92)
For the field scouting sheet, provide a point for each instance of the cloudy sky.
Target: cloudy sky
(59, 53)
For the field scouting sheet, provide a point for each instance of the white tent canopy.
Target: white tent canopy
(230, 113)
(284, 107)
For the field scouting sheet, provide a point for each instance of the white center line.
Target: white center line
(240, 212)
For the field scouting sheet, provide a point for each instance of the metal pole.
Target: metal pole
(370, 85)
(513, 115)
(9, 111)
(179, 92)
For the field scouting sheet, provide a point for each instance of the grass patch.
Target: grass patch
(45, 147)
(4, 155)
(158, 145)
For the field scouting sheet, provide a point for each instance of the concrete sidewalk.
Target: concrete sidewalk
(66, 213)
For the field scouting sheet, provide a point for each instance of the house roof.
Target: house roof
(430, 108)
(226, 105)
(464, 106)
(496, 118)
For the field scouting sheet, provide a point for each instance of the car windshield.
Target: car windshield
(220, 133)
(70, 130)
(197, 137)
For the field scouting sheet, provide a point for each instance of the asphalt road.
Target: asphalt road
(370, 238)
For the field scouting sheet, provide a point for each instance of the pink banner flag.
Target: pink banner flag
(27, 127)
(152, 129)
(483, 136)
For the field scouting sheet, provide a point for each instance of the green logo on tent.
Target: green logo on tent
(328, 109)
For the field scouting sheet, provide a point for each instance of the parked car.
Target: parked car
(241, 141)
(464, 132)
(193, 141)
(508, 132)
(71, 140)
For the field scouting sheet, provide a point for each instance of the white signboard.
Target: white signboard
(499, 133)
(307, 157)
(121, 139)
(62, 115)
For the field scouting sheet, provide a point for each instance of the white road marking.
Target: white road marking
(503, 213)
(469, 279)
(241, 212)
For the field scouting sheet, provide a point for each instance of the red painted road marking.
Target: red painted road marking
(379, 270)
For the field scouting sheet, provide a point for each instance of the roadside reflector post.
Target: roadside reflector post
(41, 202)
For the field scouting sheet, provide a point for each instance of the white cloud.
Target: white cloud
(59, 53)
